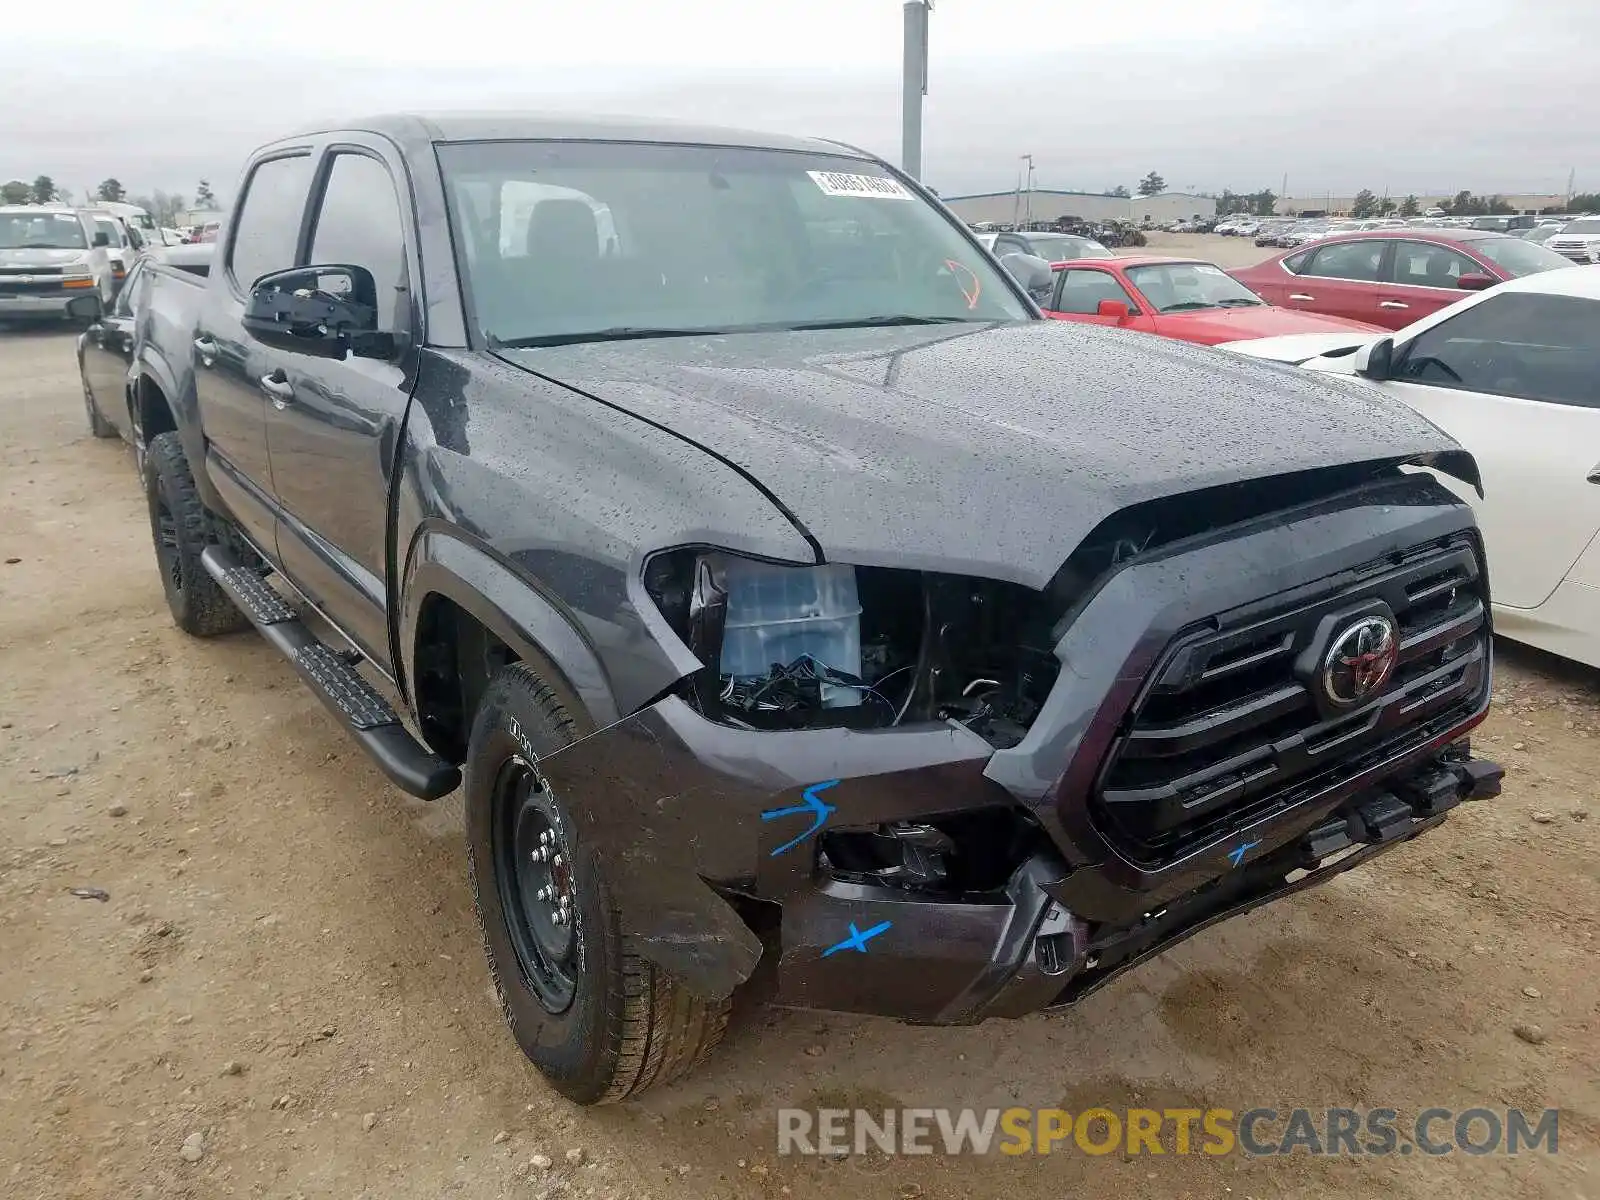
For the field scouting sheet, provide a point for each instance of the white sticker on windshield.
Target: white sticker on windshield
(1208, 269)
(874, 187)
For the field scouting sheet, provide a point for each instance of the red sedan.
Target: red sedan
(1177, 298)
(1392, 277)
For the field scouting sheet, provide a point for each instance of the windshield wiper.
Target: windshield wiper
(879, 322)
(1186, 305)
(617, 333)
(624, 333)
(1240, 302)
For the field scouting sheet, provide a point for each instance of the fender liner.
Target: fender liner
(152, 367)
(511, 606)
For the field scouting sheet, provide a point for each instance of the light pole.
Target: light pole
(914, 85)
(1027, 210)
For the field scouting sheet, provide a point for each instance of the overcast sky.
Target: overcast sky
(1409, 95)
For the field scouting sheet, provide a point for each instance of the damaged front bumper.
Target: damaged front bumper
(696, 875)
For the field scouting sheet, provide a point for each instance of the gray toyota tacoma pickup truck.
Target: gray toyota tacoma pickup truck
(797, 610)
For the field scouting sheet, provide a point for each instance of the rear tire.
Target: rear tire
(600, 1022)
(180, 526)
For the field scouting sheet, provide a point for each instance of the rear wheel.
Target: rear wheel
(181, 526)
(600, 1022)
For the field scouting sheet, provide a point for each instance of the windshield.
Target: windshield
(1586, 226)
(1520, 257)
(1182, 287)
(1059, 247)
(110, 228)
(41, 231)
(566, 242)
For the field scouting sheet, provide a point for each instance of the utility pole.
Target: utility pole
(914, 85)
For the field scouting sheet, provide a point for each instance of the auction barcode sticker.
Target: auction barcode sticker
(877, 187)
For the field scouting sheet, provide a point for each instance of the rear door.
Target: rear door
(1341, 279)
(333, 425)
(1420, 278)
(1077, 296)
(230, 366)
(1516, 380)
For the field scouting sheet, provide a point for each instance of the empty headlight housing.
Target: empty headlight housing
(791, 646)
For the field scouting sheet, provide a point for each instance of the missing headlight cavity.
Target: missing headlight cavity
(806, 647)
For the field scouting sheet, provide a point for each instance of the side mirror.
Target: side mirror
(1031, 271)
(329, 312)
(1474, 282)
(102, 238)
(1376, 361)
(1113, 308)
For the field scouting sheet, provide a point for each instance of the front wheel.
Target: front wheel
(600, 1022)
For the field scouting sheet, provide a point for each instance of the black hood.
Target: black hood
(990, 450)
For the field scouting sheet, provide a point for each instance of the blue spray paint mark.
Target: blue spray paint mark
(1236, 855)
(858, 940)
(819, 812)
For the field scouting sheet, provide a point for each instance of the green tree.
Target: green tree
(1263, 203)
(1121, 192)
(44, 190)
(204, 197)
(15, 192)
(1465, 205)
(111, 190)
(1365, 204)
(1499, 205)
(1231, 202)
(1386, 206)
(1584, 202)
(1152, 185)
(1410, 206)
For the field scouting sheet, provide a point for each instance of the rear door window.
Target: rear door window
(267, 229)
(1347, 260)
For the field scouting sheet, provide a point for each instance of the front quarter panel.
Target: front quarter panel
(565, 496)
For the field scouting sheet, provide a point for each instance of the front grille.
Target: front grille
(1228, 725)
(4, 271)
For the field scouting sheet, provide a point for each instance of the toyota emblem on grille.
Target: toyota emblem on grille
(1360, 661)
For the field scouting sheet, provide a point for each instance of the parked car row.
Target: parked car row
(719, 516)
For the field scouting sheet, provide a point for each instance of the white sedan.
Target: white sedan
(1513, 374)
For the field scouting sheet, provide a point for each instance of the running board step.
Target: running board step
(345, 691)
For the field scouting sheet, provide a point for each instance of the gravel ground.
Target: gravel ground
(283, 994)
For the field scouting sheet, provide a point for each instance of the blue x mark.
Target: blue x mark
(857, 939)
(1236, 855)
(819, 812)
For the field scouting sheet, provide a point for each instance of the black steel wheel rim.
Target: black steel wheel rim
(534, 878)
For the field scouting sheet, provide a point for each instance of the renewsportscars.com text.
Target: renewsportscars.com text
(1255, 1132)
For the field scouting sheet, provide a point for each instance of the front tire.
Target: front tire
(601, 1023)
(181, 529)
(98, 425)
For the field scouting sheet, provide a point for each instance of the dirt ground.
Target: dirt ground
(287, 964)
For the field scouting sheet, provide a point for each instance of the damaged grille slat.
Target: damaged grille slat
(1231, 721)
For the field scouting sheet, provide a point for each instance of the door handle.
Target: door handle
(278, 389)
(1392, 304)
(206, 348)
(1300, 296)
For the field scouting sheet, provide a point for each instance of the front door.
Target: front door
(230, 366)
(1516, 380)
(1420, 279)
(334, 425)
(1079, 291)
